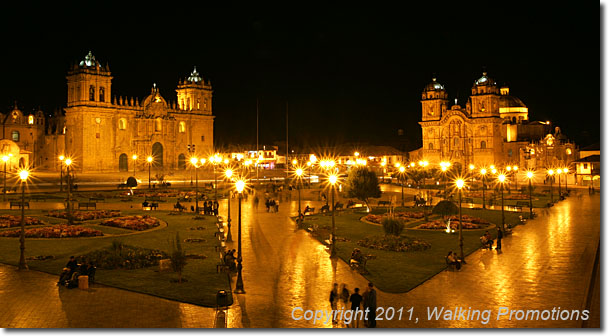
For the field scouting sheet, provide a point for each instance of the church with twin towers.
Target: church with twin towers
(103, 132)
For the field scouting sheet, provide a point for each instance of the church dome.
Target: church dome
(484, 80)
(434, 85)
(510, 101)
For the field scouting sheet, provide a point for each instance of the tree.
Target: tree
(178, 257)
(132, 182)
(392, 226)
(362, 184)
(445, 209)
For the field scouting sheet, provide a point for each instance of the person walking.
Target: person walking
(499, 240)
(370, 303)
(334, 298)
(344, 295)
(356, 300)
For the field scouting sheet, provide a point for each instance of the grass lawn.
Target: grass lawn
(399, 272)
(202, 280)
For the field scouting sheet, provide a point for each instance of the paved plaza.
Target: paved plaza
(544, 264)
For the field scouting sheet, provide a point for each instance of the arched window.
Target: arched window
(456, 142)
(123, 165)
(122, 124)
(181, 161)
(92, 93)
(31, 119)
(158, 125)
(483, 145)
(15, 136)
(182, 127)
(102, 94)
(430, 146)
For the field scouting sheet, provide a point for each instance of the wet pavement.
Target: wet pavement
(544, 264)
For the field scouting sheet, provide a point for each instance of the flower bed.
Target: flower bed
(7, 221)
(405, 216)
(137, 223)
(468, 223)
(55, 231)
(125, 256)
(394, 243)
(85, 215)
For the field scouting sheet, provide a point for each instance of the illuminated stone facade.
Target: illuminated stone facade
(493, 128)
(102, 134)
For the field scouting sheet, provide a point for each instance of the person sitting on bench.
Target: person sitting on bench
(179, 206)
(486, 240)
(356, 258)
(452, 259)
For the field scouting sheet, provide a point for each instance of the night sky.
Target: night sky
(346, 74)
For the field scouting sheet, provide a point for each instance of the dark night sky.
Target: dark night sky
(347, 74)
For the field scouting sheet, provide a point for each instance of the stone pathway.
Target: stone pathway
(544, 264)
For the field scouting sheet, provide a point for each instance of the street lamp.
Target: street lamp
(239, 285)
(444, 174)
(23, 176)
(501, 179)
(565, 171)
(459, 183)
(332, 179)
(61, 172)
(551, 172)
(515, 169)
(134, 158)
(402, 185)
(530, 175)
(194, 162)
(228, 174)
(471, 168)
(299, 173)
(5, 159)
(68, 163)
(149, 160)
(483, 173)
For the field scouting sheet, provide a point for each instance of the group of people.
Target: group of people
(488, 241)
(210, 208)
(357, 259)
(454, 260)
(272, 205)
(231, 260)
(70, 273)
(362, 307)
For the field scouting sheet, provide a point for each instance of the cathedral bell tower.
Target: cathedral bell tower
(434, 101)
(89, 83)
(194, 94)
(485, 98)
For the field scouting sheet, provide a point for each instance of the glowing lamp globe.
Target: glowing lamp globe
(459, 183)
(240, 185)
(501, 178)
(299, 172)
(23, 175)
(229, 173)
(530, 174)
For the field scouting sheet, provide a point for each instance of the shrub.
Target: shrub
(178, 257)
(392, 226)
(124, 256)
(394, 243)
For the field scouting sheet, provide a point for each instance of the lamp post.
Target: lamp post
(483, 174)
(228, 174)
(565, 171)
(23, 176)
(299, 173)
(471, 168)
(239, 285)
(5, 159)
(551, 172)
(402, 184)
(134, 158)
(515, 169)
(460, 184)
(68, 162)
(558, 183)
(61, 172)
(501, 179)
(444, 174)
(332, 179)
(529, 177)
(194, 162)
(149, 160)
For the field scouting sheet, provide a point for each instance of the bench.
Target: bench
(153, 199)
(150, 205)
(122, 186)
(18, 204)
(325, 208)
(86, 205)
(179, 207)
(222, 266)
(468, 200)
(309, 211)
(522, 204)
(383, 203)
(98, 199)
(361, 265)
(339, 206)
(38, 197)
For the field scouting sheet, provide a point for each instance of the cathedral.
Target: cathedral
(493, 128)
(105, 133)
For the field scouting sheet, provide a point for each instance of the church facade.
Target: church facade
(492, 129)
(103, 134)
